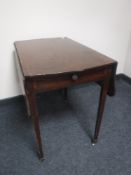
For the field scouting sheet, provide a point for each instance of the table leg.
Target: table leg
(35, 120)
(27, 105)
(102, 99)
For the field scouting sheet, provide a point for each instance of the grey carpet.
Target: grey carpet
(66, 129)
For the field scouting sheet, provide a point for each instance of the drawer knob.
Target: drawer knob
(74, 77)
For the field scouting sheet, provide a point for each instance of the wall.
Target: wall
(127, 68)
(102, 25)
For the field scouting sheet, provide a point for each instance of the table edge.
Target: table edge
(45, 76)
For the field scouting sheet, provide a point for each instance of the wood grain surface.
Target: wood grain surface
(57, 55)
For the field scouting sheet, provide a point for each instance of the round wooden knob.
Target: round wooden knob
(74, 77)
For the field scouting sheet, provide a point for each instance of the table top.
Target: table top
(40, 57)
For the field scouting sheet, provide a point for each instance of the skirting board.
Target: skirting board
(19, 98)
(123, 77)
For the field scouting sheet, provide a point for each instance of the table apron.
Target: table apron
(53, 84)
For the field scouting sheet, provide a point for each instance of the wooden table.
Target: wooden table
(58, 63)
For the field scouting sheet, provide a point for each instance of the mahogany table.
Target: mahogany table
(58, 63)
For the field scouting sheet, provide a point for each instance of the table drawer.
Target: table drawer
(70, 79)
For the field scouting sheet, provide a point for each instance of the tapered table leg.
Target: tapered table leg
(35, 120)
(27, 104)
(102, 99)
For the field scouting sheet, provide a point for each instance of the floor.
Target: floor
(67, 128)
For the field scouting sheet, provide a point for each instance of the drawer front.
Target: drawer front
(70, 80)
